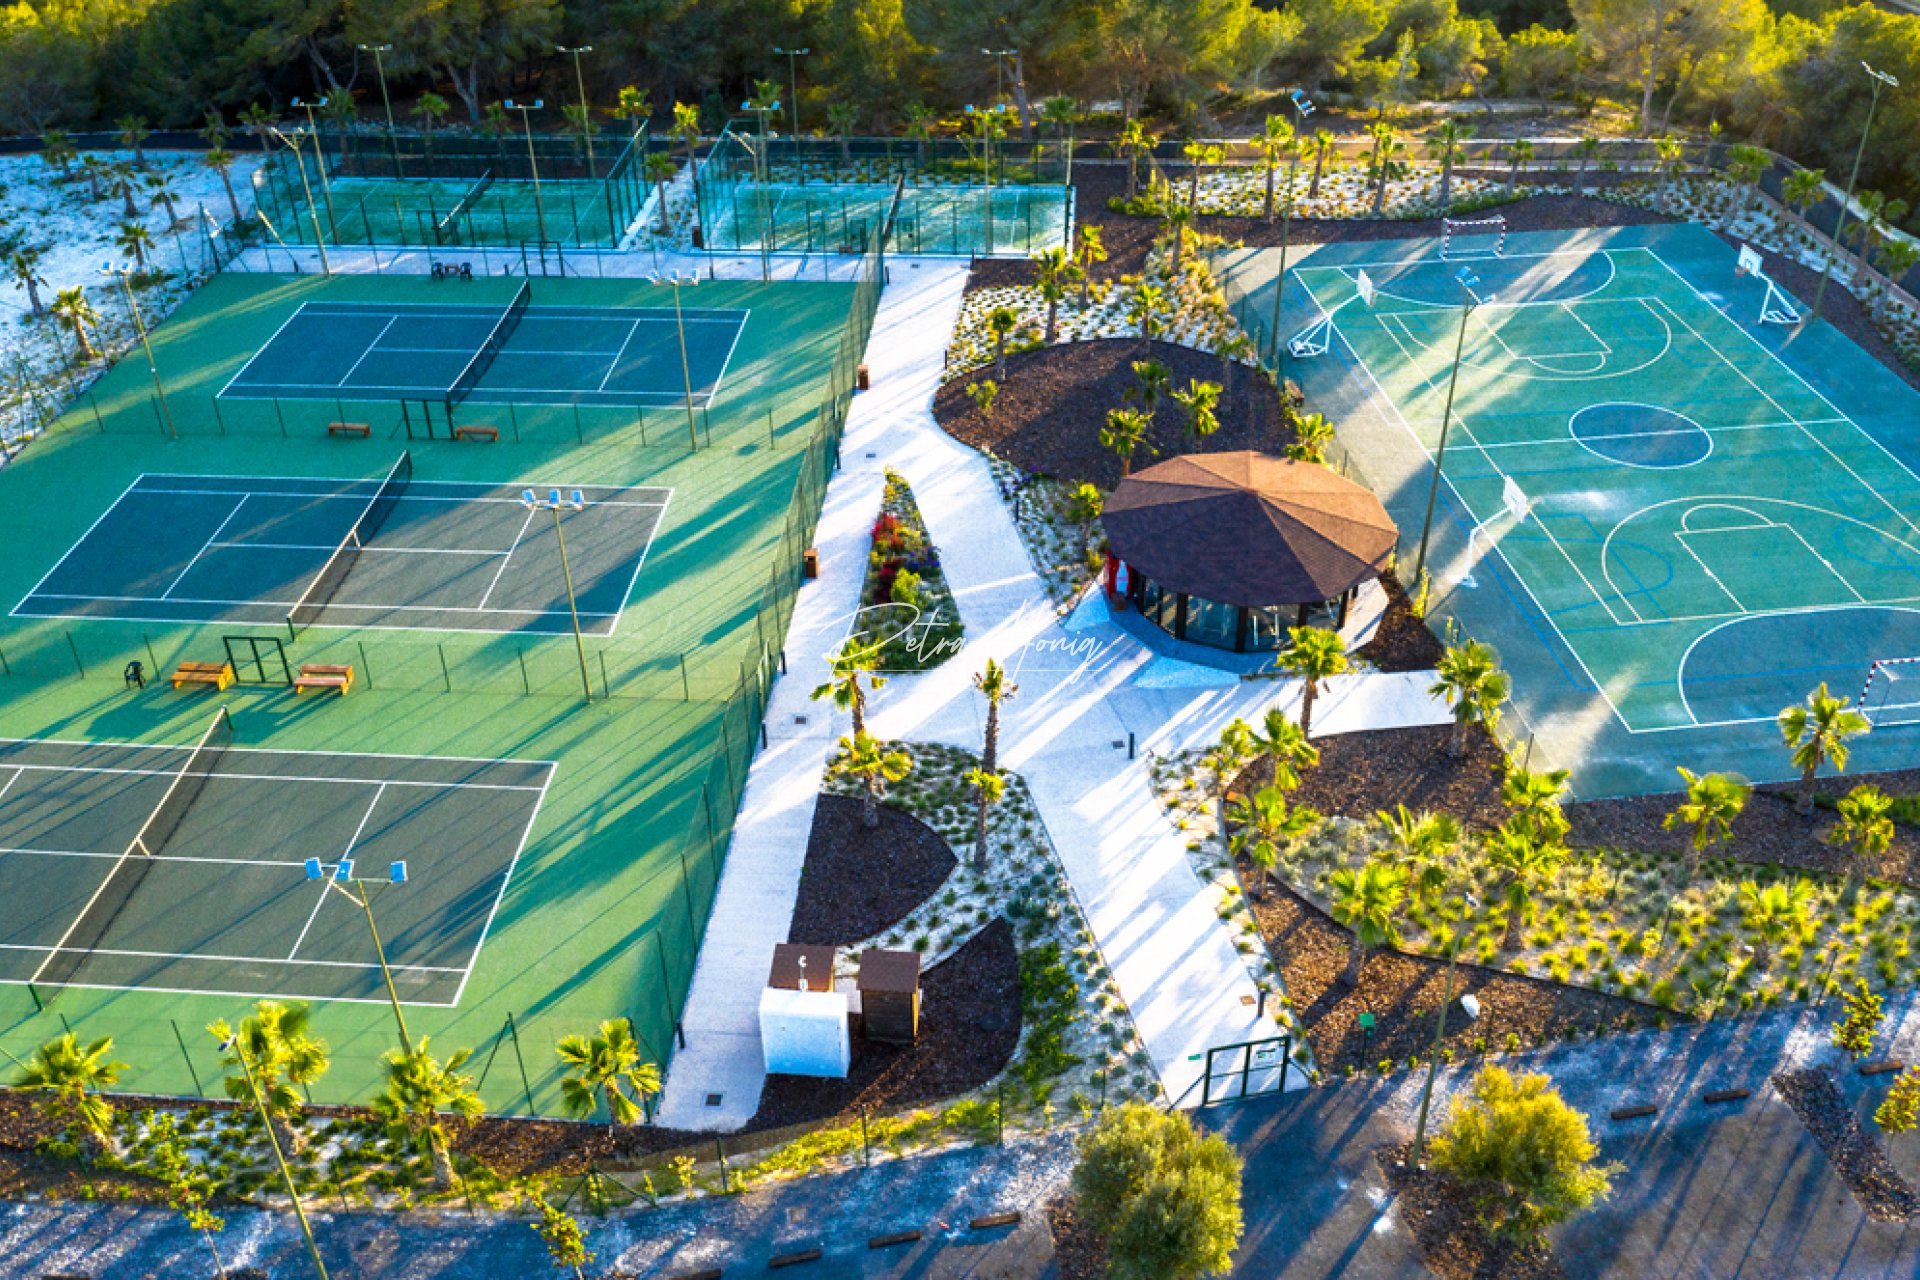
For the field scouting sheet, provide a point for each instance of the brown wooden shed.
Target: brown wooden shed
(890, 995)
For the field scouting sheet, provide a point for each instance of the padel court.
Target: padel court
(395, 553)
(476, 353)
(1693, 528)
(184, 869)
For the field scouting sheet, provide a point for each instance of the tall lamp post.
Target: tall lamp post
(576, 501)
(526, 110)
(320, 163)
(319, 241)
(676, 279)
(123, 272)
(1468, 282)
(341, 878)
(793, 84)
(580, 80)
(1877, 80)
(232, 1044)
(999, 57)
(380, 69)
(1302, 108)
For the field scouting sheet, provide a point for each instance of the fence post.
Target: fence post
(866, 1141)
(726, 1177)
(525, 1084)
(182, 1042)
(999, 1113)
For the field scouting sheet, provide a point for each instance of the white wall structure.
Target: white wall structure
(804, 1033)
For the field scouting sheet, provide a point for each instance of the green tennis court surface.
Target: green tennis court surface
(1692, 517)
(455, 211)
(224, 905)
(443, 556)
(476, 353)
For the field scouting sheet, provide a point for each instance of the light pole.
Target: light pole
(1302, 108)
(232, 1044)
(320, 163)
(123, 271)
(793, 84)
(313, 210)
(586, 122)
(576, 501)
(526, 110)
(1878, 80)
(341, 878)
(1433, 1066)
(380, 69)
(675, 279)
(1467, 282)
(999, 57)
(763, 168)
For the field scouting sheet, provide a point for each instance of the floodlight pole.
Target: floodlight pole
(119, 270)
(1466, 280)
(554, 505)
(675, 280)
(320, 163)
(793, 85)
(235, 1046)
(364, 900)
(313, 210)
(999, 57)
(1302, 108)
(586, 122)
(380, 69)
(526, 110)
(1433, 1064)
(1878, 80)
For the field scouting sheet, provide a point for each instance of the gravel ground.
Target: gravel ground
(857, 880)
(1856, 1154)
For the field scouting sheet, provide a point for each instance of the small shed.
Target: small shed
(889, 984)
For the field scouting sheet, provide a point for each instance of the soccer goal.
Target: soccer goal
(1891, 694)
(1313, 340)
(1775, 307)
(1473, 237)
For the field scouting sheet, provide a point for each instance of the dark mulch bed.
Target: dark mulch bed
(858, 881)
(1856, 1155)
(1447, 1231)
(563, 1147)
(1053, 403)
(969, 1026)
(1362, 773)
(1403, 642)
(1078, 1251)
(1403, 993)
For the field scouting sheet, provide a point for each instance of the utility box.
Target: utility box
(803, 1020)
(889, 985)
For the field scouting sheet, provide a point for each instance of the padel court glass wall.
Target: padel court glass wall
(448, 190)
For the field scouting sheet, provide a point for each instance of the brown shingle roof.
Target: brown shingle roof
(1248, 528)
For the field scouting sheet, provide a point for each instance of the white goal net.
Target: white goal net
(1473, 237)
(1891, 694)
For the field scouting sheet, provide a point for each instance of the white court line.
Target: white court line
(204, 548)
(157, 857)
(277, 777)
(269, 751)
(241, 372)
(404, 498)
(639, 562)
(506, 878)
(205, 955)
(8, 786)
(1683, 534)
(366, 550)
(614, 364)
(1642, 435)
(391, 321)
(111, 506)
(1740, 606)
(346, 855)
(488, 595)
(288, 604)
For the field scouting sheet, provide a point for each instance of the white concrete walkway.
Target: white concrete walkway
(1086, 685)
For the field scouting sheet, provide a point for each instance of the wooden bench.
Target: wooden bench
(361, 429)
(474, 431)
(323, 677)
(217, 674)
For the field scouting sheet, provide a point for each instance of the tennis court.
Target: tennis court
(483, 354)
(1694, 524)
(822, 217)
(397, 554)
(177, 869)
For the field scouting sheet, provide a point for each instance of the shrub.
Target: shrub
(1522, 1152)
(1166, 1199)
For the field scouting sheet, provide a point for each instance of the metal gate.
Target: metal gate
(1246, 1070)
(258, 660)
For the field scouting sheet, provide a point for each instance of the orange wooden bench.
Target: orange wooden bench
(475, 431)
(217, 674)
(323, 677)
(361, 429)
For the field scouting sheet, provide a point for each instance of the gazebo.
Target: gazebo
(1231, 549)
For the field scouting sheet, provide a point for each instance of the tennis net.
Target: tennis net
(130, 870)
(483, 358)
(448, 228)
(326, 583)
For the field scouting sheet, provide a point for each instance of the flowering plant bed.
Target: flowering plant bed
(908, 618)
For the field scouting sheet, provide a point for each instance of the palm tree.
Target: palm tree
(1263, 825)
(1125, 431)
(340, 112)
(1322, 148)
(432, 109)
(1224, 761)
(1144, 308)
(1774, 914)
(1198, 154)
(1445, 145)
(134, 133)
(1053, 270)
(1423, 839)
(1084, 504)
(841, 118)
(607, 1065)
(1201, 400)
(1001, 322)
(1276, 142)
(134, 239)
(1152, 380)
(850, 677)
(1586, 151)
(1384, 164)
(1313, 654)
(1897, 257)
(56, 150)
(1745, 165)
(258, 121)
(635, 106)
(161, 191)
(686, 127)
(1472, 683)
(1366, 901)
(659, 170)
(1802, 189)
(1519, 154)
(23, 264)
(1134, 140)
(1311, 436)
(285, 1057)
(995, 686)
(1089, 255)
(1713, 801)
(1285, 746)
(420, 1092)
(919, 120)
(1865, 830)
(75, 314)
(220, 160)
(1816, 731)
(1063, 113)
(862, 757)
(124, 179)
(1533, 801)
(1520, 861)
(73, 1077)
(1177, 220)
(1879, 210)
